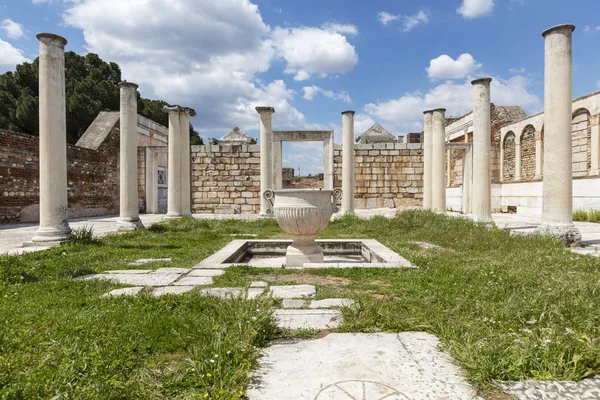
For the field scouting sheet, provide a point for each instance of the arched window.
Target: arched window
(509, 157)
(581, 142)
(528, 152)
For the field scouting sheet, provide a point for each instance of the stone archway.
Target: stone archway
(509, 160)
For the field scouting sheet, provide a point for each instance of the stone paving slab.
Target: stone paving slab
(143, 261)
(152, 279)
(358, 366)
(206, 272)
(194, 281)
(224, 293)
(159, 291)
(587, 389)
(293, 303)
(180, 271)
(257, 284)
(130, 291)
(253, 293)
(308, 319)
(293, 292)
(331, 303)
(130, 271)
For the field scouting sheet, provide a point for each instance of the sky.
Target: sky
(312, 59)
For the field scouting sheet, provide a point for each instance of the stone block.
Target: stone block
(308, 319)
(194, 281)
(223, 293)
(254, 293)
(258, 284)
(206, 272)
(163, 290)
(130, 291)
(293, 292)
(293, 303)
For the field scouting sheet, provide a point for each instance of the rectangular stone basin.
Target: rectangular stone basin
(338, 253)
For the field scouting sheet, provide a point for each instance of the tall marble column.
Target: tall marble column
(53, 141)
(186, 177)
(174, 164)
(557, 201)
(427, 149)
(438, 161)
(348, 162)
(129, 217)
(482, 185)
(266, 154)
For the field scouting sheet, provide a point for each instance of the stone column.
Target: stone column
(53, 141)
(427, 148)
(467, 179)
(595, 143)
(266, 154)
(328, 163)
(348, 162)
(482, 184)
(518, 159)
(186, 161)
(438, 160)
(538, 156)
(557, 202)
(129, 217)
(174, 164)
(277, 164)
(151, 182)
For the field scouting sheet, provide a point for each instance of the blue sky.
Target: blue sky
(312, 59)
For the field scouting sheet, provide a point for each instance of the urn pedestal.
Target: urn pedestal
(302, 213)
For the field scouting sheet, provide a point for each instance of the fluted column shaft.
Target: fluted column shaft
(557, 203)
(186, 182)
(53, 141)
(174, 164)
(482, 185)
(438, 158)
(129, 218)
(427, 152)
(348, 162)
(266, 153)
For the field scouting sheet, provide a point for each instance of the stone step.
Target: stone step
(293, 292)
(308, 319)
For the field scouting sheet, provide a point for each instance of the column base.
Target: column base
(51, 235)
(568, 233)
(302, 252)
(488, 221)
(129, 224)
(538, 177)
(170, 217)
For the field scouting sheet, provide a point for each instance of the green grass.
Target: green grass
(506, 307)
(589, 216)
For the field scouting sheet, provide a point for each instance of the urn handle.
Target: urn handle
(337, 196)
(269, 195)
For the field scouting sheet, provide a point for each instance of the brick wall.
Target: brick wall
(509, 157)
(93, 185)
(226, 179)
(386, 174)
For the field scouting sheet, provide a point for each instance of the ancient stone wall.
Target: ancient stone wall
(581, 143)
(528, 153)
(93, 178)
(509, 157)
(386, 174)
(226, 179)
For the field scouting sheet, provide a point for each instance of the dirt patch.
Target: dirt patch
(304, 279)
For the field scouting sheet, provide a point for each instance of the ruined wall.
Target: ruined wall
(509, 157)
(226, 179)
(93, 178)
(528, 153)
(386, 174)
(581, 142)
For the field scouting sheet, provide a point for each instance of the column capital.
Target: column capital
(189, 111)
(265, 110)
(348, 112)
(428, 112)
(126, 84)
(555, 29)
(439, 110)
(174, 108)
(595, 119)
(481, 81)
(52, 39)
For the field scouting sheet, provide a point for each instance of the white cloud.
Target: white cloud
(344, 29)
(13, 30)
(157, 47)
(306, 155)
(405, 114)
(519, 71)
(412, 21)
(444, 67)
(310, 51)
(311, 91)
(590, 29)
(10, 56)
(385, 17)
(476, 8)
